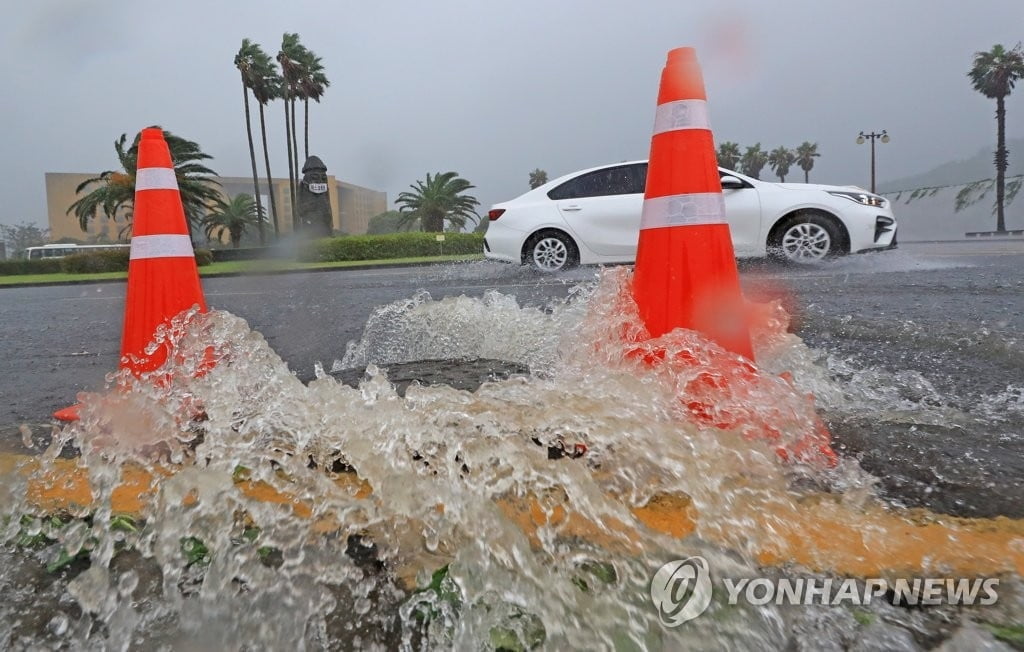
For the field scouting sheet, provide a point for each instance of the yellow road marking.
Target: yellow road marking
(819, 532)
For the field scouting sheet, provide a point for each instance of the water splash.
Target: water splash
(457, 528)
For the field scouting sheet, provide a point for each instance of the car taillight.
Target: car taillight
(495, 213)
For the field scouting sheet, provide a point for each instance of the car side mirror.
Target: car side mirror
(730, 182)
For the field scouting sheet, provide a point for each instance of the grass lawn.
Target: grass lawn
(236, 267)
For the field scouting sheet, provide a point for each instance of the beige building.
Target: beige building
(352, 206)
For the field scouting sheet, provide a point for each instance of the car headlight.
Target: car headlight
(865, 198)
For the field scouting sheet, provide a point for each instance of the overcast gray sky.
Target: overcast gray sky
(493, 90)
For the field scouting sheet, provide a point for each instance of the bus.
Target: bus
(61, 250)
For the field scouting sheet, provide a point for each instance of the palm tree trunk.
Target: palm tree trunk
(807, 176)
(1002, 161)
(434, 223)
(296, 175)
(252, 159)
(305, 103)
(270, 181)
(295, 144)
(291, 166)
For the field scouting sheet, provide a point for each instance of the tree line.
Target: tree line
(295, 76)
(19, 237)
(750, 162)
(781, 159)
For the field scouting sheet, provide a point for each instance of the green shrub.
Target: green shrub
(23, 266)
(97, 261)
(391, 245)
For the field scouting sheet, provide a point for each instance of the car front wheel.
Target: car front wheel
(551, 252)
(806, 239)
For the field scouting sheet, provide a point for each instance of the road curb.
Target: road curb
(995, 235)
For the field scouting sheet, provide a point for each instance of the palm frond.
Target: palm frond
(113, 192)
(438, 199)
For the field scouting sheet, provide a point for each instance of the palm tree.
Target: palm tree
(290, 57)
(233, 217)
(266, 86)
(437, 200)
(294, 59)
(538, 178)
(805, 155)
(312, 84)
(728, 155)
(781, 159)
(993, 75)
(295, 93)
(753, 161)
(244, 61)
(115, 194)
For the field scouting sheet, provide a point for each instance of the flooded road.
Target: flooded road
(474, 534)
(56, 341)
(938, 325)
(937, 330)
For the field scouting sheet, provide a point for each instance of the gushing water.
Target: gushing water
(528, 514)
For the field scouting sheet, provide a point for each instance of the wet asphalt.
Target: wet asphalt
(939, 324)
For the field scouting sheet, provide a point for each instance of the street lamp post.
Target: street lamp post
(884, 137)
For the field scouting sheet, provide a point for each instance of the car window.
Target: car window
(618, 180)
(639, 177)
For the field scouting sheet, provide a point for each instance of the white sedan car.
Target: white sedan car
(593, 216)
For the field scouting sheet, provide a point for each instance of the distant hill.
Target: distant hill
(979, 166)
(934, 217)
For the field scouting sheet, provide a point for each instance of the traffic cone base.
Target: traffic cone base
(67, 414)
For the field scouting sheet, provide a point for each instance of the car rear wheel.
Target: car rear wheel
(806, 239)
(551, 251)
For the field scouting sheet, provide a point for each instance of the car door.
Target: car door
(743, 213)
(603, 208)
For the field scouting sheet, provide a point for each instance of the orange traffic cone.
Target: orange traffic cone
(162, 276)
(686, 277)
(685, 274)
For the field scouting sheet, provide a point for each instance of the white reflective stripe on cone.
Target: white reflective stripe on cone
(683, 210)
(161, 246)
(155, 179)
(681, 114)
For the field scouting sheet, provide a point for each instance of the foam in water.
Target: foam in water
(471, 537)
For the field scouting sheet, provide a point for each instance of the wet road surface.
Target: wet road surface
(942, 322)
